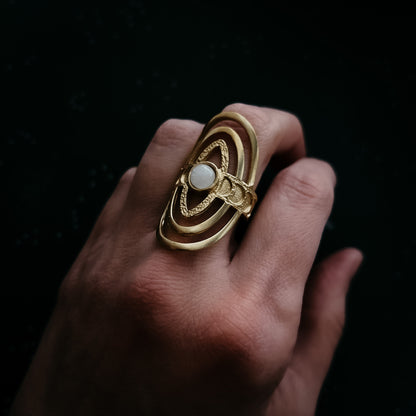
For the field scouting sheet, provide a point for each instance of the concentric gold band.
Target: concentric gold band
(233, 189)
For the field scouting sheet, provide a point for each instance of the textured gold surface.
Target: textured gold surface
(236, 192)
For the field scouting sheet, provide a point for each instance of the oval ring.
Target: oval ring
(235, 192)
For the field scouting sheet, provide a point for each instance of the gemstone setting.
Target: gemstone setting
(202, 177)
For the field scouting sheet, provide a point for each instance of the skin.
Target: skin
(234, 329)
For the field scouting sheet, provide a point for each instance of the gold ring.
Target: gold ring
(219, 196)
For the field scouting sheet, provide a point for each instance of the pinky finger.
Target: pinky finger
(323, 316)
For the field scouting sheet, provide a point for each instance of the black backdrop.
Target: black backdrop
(85, 85)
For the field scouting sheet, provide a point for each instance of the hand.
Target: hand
(229, 330)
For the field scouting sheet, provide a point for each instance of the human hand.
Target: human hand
(228, 330)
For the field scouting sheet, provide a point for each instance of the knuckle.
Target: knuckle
(145, 289)
(293, 122)
(287, 125)
(153, 292)
(310, 181)
(170, 132)
(257, 116)
(168, 127)
(142, 298)
(238, 107)
(236, 335)
(231, 335)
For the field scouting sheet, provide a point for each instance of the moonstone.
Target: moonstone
(202, 176)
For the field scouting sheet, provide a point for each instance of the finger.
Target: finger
(323, 316)
(159, 168)
(279, 134)
(279, 247)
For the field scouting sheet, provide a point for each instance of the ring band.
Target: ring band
(187, 228)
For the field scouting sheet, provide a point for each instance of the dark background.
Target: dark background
(84, 86)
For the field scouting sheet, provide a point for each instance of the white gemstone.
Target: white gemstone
(202, 176)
